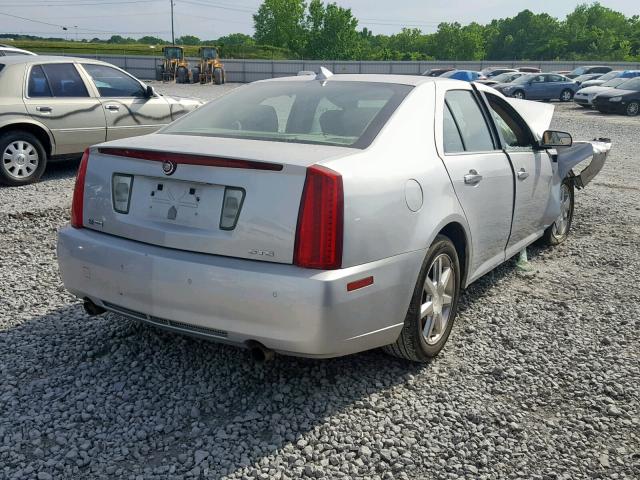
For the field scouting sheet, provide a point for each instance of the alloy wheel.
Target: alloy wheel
(633, 108)
(561, 225)
(437, 299)
(519, 95)
(20, 159)
(566, 96)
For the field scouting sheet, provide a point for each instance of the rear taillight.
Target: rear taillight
(77, 205)
(320, 221)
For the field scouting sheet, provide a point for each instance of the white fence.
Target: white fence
(245, 71)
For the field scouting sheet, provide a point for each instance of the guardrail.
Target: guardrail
(244, 71)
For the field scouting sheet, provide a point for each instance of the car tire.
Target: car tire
(633, 108)
(558, 231)
(435, 294)
(566, 95)
(23, 159)
(519, 94)
(217, 76)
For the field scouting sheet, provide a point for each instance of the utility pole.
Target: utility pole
(173, 38)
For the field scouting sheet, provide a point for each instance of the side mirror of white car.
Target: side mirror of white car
(554, 138)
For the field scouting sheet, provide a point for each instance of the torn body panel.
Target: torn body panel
(570, 157)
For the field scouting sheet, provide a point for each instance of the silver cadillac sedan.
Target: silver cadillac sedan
(54, 107)
(321, 215)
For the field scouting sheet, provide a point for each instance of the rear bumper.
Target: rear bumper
(286, 308)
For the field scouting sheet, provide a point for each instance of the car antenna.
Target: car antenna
(323, 75)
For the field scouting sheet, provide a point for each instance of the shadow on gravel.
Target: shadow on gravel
(137, 393)
(61, 169)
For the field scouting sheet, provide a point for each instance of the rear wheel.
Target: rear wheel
(23, 158)
(633, 108)
(433, 306)
(558, 231)
(195, 74)
(217, 76)
(519, 94)
(566, 95)
(182, 75)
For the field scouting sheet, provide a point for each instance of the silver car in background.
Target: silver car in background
(55, 107)
(320, 216)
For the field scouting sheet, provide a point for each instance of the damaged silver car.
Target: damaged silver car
(52, 108)
(321, 215)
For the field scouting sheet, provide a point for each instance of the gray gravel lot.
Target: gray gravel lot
(540, 378)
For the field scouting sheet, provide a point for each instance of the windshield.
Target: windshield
(632, 84)
(327, 113)
(524, 78)
(610, 75)
(578, 71)
(506, 77)
(615, 82)
(173, 52)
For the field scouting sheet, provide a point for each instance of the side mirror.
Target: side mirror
(149, 92)
(554, 138)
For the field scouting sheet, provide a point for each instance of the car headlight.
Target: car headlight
(615, 99)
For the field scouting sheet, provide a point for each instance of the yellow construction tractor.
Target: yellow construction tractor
(174, 66)
(210, 69)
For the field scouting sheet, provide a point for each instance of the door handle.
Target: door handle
(112, 108)
(472, 178)
(44, 109)
(522, 174)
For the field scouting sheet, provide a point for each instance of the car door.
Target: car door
(480, 173)
(534, 207)
(57, 96)
(536, 89)
(128, 109)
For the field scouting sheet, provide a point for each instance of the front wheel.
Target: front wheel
(632, 109)
(217, 76)
(23, 158)
(519, 94)
(558, 231)
(433, 306)
(566, 95)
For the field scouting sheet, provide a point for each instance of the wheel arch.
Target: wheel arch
(39, 131)
(456, 232)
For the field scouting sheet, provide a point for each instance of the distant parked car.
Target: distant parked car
(544, 86)
(502, 78)
(436, 72)
(610, 76)
(586, 77)
(490, 72)
(588, 69)
(584, 97)
(625, 99)
(9, 51)
(465, 75)
(55, 107)
(529, 69)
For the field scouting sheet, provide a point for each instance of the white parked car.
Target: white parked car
(9, 51)
(320, 216)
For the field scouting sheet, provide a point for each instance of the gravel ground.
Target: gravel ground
(540, 378)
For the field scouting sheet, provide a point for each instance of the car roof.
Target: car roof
(31, 59)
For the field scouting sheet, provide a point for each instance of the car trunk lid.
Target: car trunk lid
(223, 196)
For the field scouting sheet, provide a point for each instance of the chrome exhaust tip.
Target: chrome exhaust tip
(92, 309)
(259, 352)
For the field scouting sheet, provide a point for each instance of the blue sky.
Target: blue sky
(214, 18)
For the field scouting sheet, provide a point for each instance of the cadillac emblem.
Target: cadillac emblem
(169, 167)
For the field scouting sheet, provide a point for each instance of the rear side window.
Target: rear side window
(451, 134)
(470, 121)
(64, 80)
(1, 66)
(38, 84)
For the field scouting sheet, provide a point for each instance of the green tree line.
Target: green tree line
(316, 30)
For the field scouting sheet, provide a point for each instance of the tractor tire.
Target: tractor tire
(218, 76)
(195, 75)
(182, 75)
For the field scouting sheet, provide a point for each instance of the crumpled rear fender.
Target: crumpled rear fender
(571, 157)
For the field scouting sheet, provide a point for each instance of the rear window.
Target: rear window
(328, 113)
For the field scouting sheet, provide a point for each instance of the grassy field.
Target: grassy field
(67, 48)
